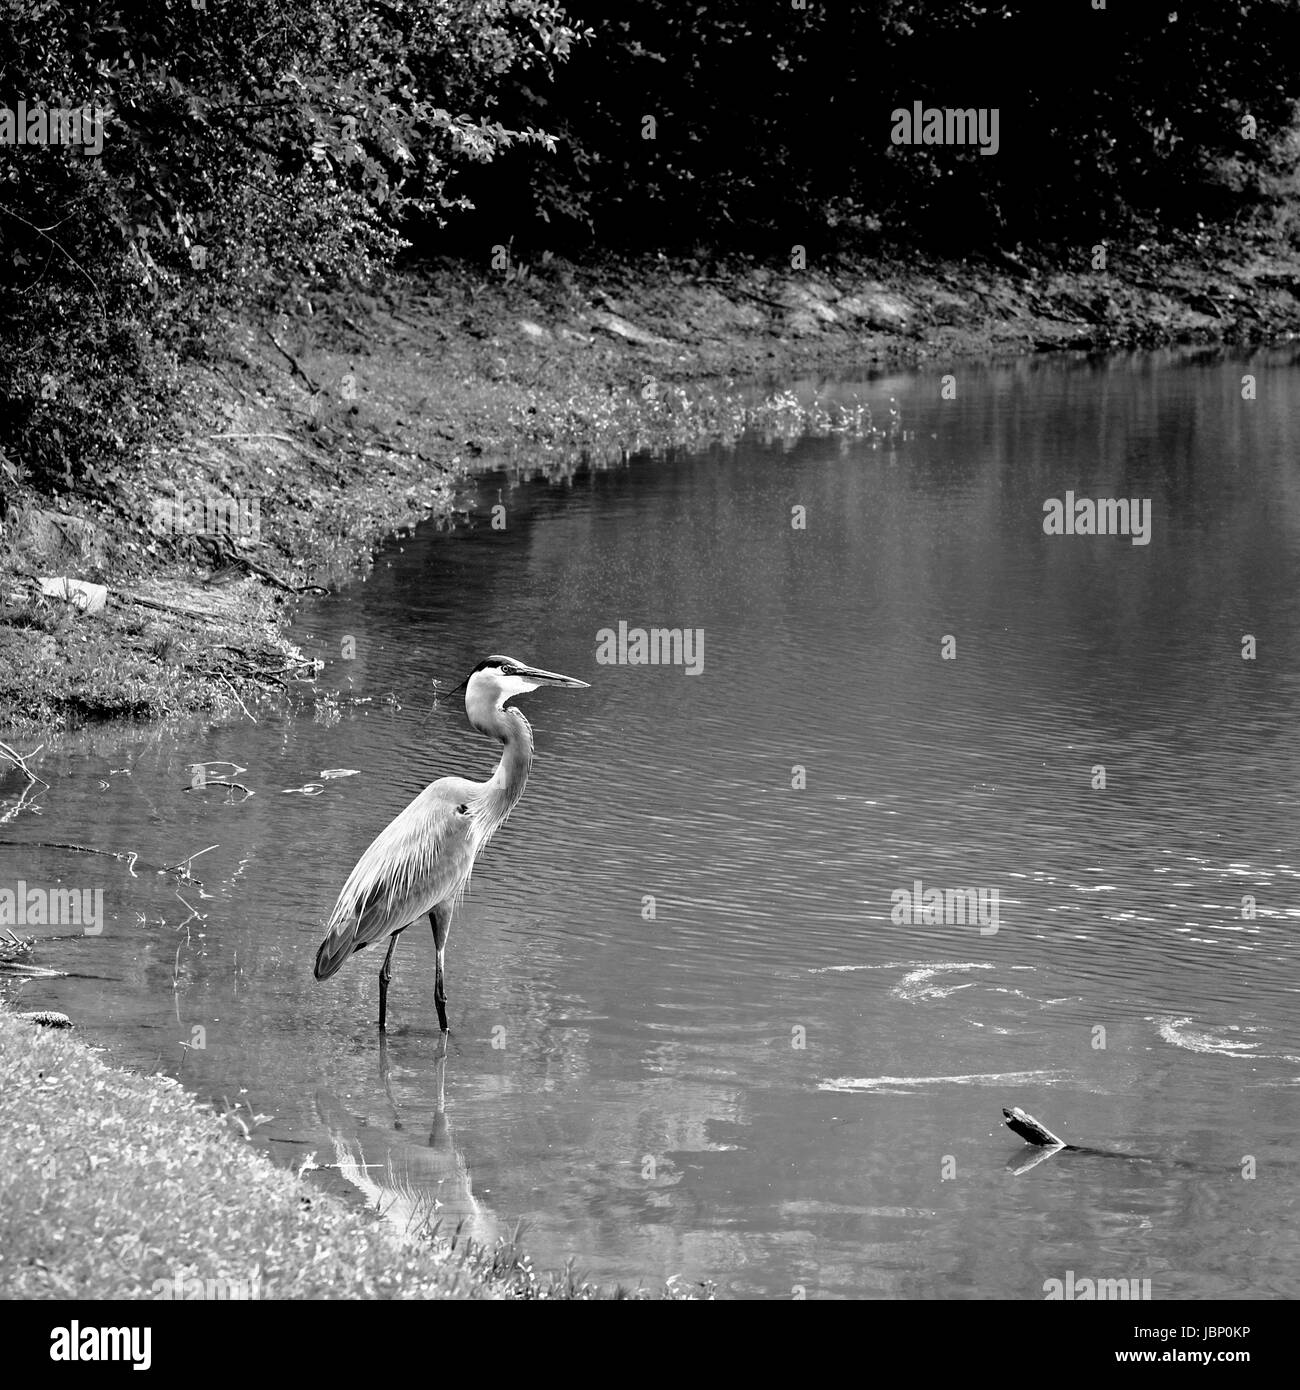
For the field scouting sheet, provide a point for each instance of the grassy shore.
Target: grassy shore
(358, 417)
(114, 1185)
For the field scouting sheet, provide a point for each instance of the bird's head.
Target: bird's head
(500, 678)
(497, 679)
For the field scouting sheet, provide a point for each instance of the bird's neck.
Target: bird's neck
(507, 783)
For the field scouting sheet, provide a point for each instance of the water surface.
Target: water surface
(772, 1084)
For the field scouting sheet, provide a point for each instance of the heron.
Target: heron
(421, 862)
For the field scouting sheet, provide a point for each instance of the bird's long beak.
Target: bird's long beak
(534, 673)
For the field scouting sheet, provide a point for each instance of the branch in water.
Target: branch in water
(1028, 1128)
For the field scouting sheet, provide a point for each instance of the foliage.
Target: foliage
(249, 148)
(113, 1184)
(773, 123)
(506, 1269)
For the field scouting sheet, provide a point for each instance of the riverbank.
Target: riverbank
(114, 1185)
(317, 436)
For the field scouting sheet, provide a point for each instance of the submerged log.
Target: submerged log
(1049, 1145)
(1028, 1128)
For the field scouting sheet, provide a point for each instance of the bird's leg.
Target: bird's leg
(440, 996)
(440, 919)
(385, 971)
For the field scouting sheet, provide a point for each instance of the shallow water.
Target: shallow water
(773, 1085)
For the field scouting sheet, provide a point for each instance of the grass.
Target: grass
(113, 1185)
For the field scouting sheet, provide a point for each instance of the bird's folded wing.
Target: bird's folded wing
(421, 859)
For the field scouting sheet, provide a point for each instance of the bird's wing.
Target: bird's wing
(421, 858)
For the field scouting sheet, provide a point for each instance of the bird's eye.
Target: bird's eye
(507, 670)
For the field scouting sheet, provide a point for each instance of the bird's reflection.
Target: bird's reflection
(414, 1185)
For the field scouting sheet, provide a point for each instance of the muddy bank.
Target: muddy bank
(298, 444)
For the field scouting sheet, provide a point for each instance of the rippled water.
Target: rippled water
(774, 1084)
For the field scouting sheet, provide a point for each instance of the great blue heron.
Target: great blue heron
(421, 862)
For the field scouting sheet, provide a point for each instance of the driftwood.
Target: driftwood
(19, 760)
(1047, 1145)
(165, 607)
(15, 951)
(224, 555)
(129, 857)
(294, 363)
(259, 434)
(1022, 1123)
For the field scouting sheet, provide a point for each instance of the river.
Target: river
(697, 1028)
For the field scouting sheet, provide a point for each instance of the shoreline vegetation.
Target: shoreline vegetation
(298, 444)
(115, 1185)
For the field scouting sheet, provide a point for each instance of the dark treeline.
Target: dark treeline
(774, 123)
(247, 149)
